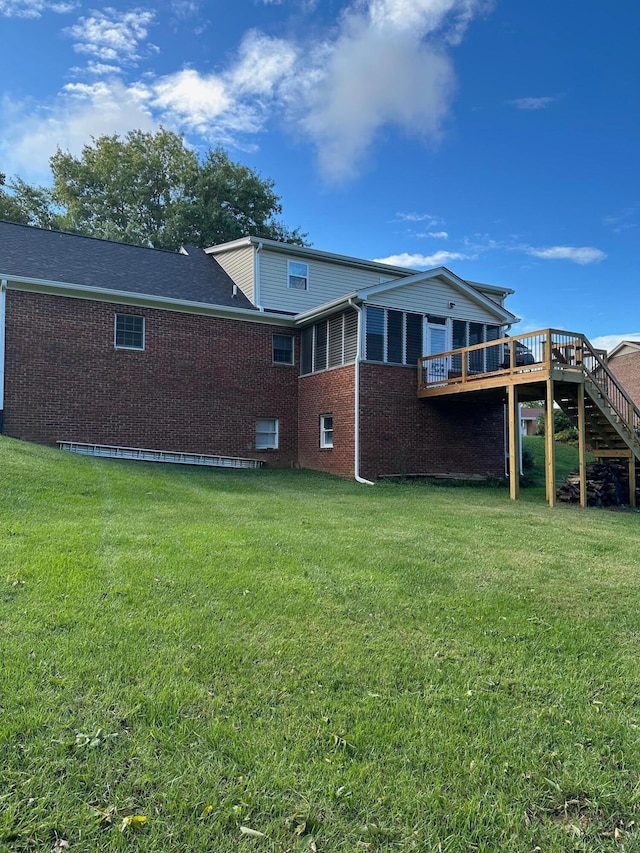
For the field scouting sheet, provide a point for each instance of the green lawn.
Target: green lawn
(402, 667)
(566, 459)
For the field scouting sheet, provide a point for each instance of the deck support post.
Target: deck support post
(632, 480)
(550, 452)
(582, 461)
(514, 441)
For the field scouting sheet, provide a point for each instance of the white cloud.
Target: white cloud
(609, 342)
(420, 217)
(221, 107)
(111, 35)
(31, 137)
(384, 64)
(387, 66)
(623, 220)
(416, 261)
(438, 235)
(577, 254)
(532, 104)
(184, 9)
(33, 8)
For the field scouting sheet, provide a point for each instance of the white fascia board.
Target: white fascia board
(492, 288)
(311, 254)
(452, 279)
(633, 346)
(326, 308)
(220, 248)
(126, 297)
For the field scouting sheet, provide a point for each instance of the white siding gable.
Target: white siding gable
(327, 281)
(239, 264)
(434, 296)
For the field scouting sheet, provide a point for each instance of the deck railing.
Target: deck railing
(531, 353)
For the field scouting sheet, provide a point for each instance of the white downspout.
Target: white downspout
(256, 273)
(356, 424)
(3, 314)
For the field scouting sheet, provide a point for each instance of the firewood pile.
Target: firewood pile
(607, 485)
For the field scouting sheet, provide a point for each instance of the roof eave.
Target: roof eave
(127, 297)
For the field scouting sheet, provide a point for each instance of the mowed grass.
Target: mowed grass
(339, 667)
(566, 459)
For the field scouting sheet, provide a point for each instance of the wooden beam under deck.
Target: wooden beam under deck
(547, 365)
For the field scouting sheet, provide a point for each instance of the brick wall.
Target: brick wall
(198, 386)
(403, 434)
(626, 369)
(328, 393)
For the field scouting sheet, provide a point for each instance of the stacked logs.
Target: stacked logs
(607, 485)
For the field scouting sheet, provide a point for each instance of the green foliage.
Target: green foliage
(26, 204)
(561, 423)
(149, 189)
(224, 660)
(567, 436)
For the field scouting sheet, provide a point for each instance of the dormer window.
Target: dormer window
(298, 276)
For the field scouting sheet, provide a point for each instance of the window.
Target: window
(326, 430)
(267, 434)
(129, 331)
(329, 343)
(393, 336)
(298, 276)
(375, 334)
(282, 349)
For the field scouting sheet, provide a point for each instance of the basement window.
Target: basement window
(326, 430)
(267, 434)
(129, 331)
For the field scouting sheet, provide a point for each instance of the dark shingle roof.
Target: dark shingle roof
(56, 256)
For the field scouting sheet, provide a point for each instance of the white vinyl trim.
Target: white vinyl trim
(3, 313)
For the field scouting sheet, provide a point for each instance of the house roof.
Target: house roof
(625, 348)
(343, 260)
(36, 254)
(369, 293)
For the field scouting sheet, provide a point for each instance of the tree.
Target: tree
(561, 423)
(134, 190)
(26, 204)
(149, 189)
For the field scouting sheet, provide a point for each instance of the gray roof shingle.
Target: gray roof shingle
(86, 261)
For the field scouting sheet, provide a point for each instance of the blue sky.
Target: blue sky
(499, 139)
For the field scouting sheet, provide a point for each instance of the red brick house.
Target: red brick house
(624, 363)
(254, 350)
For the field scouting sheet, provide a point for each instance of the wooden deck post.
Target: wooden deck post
(550, 453)
(632, 479)
(514, 441)
(582, 461)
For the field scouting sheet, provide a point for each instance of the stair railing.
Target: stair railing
(614, 396)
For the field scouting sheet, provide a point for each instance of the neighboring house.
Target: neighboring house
(624, 363)
(529, 419)
(253, 349)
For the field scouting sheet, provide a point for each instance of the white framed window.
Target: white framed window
(326, 430)
(267, 434)
(129, 331)
(282, 349)
(298, 278)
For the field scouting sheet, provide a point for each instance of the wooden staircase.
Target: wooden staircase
(555, 366)
(611, 420)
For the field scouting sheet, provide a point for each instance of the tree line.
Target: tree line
(150, 190)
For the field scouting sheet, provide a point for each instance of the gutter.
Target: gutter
(3, 314)
(144, 300)
(356, 461)
(256, 275)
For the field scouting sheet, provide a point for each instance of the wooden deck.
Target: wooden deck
(554, 366)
